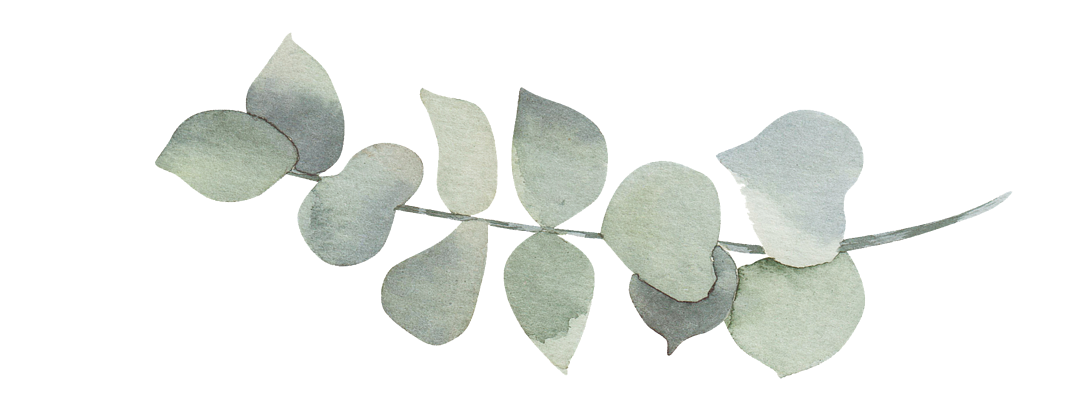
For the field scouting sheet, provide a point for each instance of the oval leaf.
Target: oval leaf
(792, 319)
(432, 295)
(663, 222)
(795, 174)
(227, 155)
(549, 284)
(346, 218)
(677, 321)
(294, 93)
(467, 167)
(559, 159)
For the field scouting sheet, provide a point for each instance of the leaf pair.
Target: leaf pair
(294, 124)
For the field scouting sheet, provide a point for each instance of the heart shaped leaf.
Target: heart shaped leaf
(792, 319)
(663, 222)
(467, 167)
(549, 284)
(294, 93)
(559, 159)
(432, 295)
(346, 218)
(795, 174)
(227, 155)
(677, 321)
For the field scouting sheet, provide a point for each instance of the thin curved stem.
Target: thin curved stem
(846, 245)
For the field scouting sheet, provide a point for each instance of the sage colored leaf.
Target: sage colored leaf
(559, 159)
(677, 321)
(432, 295)
(549, 284)
(467, 167)
(346, 218)
(294, 93)
(228, 155)
(795, 174)
(663, 222)
(792, 319)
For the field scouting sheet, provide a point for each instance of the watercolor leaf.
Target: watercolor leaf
(346, 218)
(549, 283)
(677, 321)
(228, 155)
(432, 295)
(792, 319)
(295, 94)
(559, 159)
(795, 174)
(467, 165)
(663, 222)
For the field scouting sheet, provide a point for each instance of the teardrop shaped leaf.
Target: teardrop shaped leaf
(677, 321)
(294, 93)
(549, 284)
(792, 319)
(346, 218)
(559, 159)
(228, 155)
(432, 295)
(795, 174)
(467, 167)
(663, 222)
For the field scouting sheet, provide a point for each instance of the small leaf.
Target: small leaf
(549, 284)
(677, 321)
(795, 174)
(294, 93)
(346, 218)
(227, 155)
(432, 295)
(559, 159)
(792, 319)
(663, 222)
(467, 167)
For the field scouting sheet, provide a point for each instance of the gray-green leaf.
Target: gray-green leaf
(559, 159)
(294, 93)
(549, 284)
(346, 218)
(677, 321)
(663, 222)
(792, 319)
(467, 166)
(228, 155)
(432, 295)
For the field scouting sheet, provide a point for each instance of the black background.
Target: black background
(239, 291)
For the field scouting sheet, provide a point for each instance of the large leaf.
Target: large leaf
(795, 174)
(294, 93)
(432, 295)
(677, 321)
(549, 284)
(467, 167)
(227, 155)
(792, 319)
(346, 218)
(663, 222)
(559, 159)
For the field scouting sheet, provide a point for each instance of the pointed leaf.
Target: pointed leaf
(549, 284)
(795, 174)
(227, 155)
(663, 222)
(346, 218)
(294, 93)
(677, 321)
(432, 295)
(559, 159)
(792, 319)
(467, 167)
